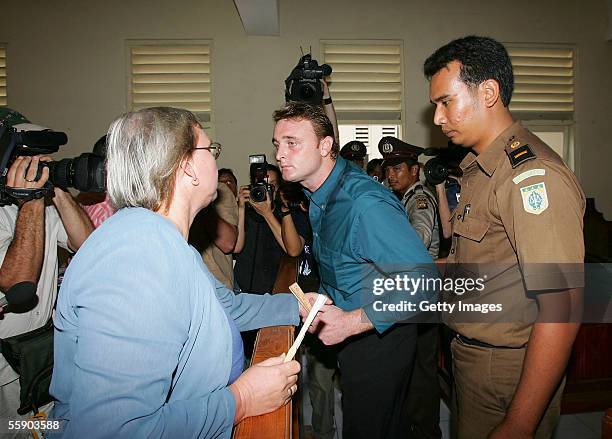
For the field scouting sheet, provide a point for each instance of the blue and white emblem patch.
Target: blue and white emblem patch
(535, 199)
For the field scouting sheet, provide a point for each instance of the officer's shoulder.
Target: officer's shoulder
(528, 151)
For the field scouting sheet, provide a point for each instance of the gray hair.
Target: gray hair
(145, 149)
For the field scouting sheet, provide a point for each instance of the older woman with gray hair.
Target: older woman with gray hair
(147, 341)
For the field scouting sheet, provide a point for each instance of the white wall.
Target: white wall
(67, 61)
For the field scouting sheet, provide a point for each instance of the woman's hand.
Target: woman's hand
(264, 387)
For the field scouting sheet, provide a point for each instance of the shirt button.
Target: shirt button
(452, 251)
(459, 216)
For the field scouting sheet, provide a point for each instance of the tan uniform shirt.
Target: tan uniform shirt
(220, 264)
(519, 222)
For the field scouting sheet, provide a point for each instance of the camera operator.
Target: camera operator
(29, 235)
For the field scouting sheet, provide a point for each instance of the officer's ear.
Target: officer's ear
(414, 170)
(490, 92)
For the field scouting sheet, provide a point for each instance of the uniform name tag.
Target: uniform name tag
(525, 175)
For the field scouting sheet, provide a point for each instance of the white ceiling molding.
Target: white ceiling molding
(259, 17)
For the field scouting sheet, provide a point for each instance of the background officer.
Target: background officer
(402, 168)
(354, 151)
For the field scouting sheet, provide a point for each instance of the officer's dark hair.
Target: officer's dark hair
(315, 114)
(228, 171)
(481, 58)
(372, 164)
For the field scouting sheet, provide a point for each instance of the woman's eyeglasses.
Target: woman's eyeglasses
(214, 148)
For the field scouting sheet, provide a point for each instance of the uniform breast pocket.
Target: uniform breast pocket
(472, 228)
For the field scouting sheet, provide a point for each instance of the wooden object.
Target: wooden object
(272, 342)
(300, 296)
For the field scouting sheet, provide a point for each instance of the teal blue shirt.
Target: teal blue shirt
(361, 235)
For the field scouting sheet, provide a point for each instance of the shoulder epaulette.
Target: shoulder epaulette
(518, 153)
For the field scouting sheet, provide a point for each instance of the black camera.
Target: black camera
(85, 172)
(444, 164)
(303, 83)
(260, 189)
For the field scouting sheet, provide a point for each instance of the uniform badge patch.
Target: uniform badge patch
(535, 199)
(421, 202)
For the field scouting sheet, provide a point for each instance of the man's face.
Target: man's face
(401, 176)
(299, 152)
(458, 110)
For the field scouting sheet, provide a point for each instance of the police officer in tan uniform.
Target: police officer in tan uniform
(354, 151)
(518, 227)
(401, 165)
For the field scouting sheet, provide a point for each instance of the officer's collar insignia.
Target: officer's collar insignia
(535, 198)
(519, 154)
(387, 148)
(515, 144)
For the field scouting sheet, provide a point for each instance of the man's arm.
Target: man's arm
(76, 222)
(548, 351)
(422, 217)
(330, 111)
(24, 256)
(243, 195)
(223, 234)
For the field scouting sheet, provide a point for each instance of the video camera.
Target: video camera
(260, 189)
(85, 172)
(303, 84)
(444, 164)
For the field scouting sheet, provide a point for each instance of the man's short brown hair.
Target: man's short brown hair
(321, 124)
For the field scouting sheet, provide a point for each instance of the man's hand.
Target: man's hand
(22, 173)
(333, 325)
(312, 298)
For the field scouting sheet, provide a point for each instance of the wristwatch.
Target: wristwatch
(284, 214)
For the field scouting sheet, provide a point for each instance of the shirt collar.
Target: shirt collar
(411, 189)
(490, 158)
(320, 196)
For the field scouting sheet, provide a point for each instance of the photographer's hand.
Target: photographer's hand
(24, 255)
(76, 222)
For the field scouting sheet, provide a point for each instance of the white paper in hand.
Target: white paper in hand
(321, 299)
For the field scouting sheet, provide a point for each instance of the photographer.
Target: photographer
(29, 235)
(258, 247)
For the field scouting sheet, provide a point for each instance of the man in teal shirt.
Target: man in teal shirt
(372, 264)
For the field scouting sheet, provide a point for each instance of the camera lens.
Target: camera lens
(258, 193)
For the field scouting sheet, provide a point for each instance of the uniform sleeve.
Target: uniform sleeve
(254, 311)
(132, 328)
(384, 240)
(546, 209)
(422, 218)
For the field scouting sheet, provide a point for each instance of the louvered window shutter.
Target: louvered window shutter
(543, 81)
(2, 76)
(366, 82)
(171, 76)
